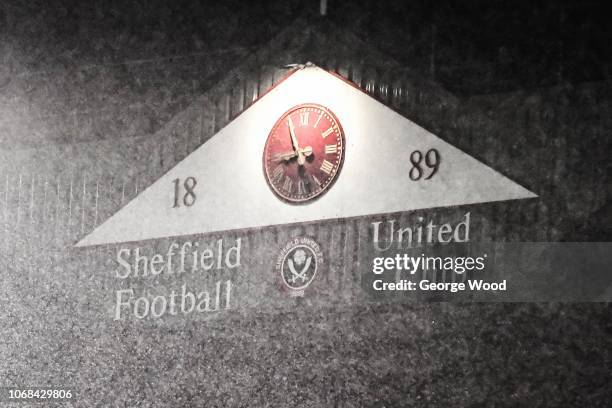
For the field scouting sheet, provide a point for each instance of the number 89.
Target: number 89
(432, 162)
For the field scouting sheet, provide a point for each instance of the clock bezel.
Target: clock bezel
(340, 163)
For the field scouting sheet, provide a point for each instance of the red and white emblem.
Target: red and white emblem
(297, 265)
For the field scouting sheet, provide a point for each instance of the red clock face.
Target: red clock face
(303, 153)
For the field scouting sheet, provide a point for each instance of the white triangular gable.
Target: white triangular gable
(232, 193)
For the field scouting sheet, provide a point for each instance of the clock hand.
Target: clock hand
(284, 156)
(306, 151)
(294, 142)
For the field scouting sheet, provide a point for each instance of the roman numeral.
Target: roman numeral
(287, 184)
(301, 187)
(327, 132)
(304, 118)
(327, 167)
(318, 119)
(316, 180)
(330, 149)
(278, 173)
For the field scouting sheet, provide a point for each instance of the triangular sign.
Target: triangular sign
(232, 192)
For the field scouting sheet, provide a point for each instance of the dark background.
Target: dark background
(471, 47)
(102, 90)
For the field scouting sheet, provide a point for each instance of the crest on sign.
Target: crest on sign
(297, 265)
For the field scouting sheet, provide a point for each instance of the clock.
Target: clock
(303, 154)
